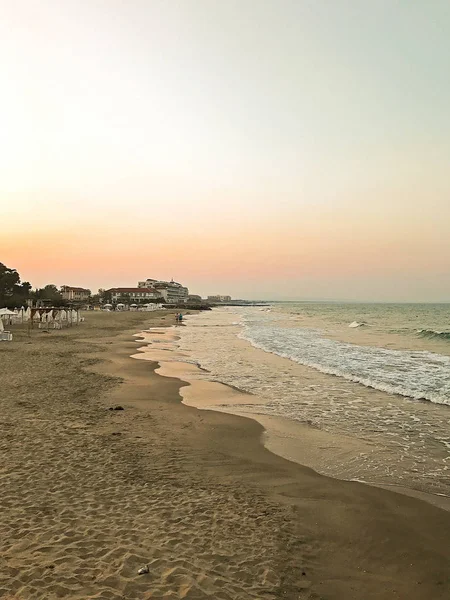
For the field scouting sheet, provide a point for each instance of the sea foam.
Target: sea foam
(418, 375)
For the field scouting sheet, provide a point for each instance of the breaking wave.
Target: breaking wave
(430, 333)
(417, 375)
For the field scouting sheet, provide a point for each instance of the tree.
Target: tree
(50, 294)
(9, 278)
(12, 292)
(26, 286)
(105, 296)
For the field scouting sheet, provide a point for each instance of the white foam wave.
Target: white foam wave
(417, 375)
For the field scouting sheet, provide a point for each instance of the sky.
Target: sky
(269, 149)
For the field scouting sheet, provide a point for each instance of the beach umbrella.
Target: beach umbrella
(7, 315)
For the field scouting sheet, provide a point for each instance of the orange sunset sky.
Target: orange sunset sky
(271, 149)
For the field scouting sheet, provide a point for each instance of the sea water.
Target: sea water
(377, 373)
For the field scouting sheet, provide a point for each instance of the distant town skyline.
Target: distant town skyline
(277, 149)
(94, 289)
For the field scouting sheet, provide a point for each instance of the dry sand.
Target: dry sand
(89, 495)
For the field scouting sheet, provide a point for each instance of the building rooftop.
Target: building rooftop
(129, 290)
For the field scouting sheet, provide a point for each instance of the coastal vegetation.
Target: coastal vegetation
(14, 293)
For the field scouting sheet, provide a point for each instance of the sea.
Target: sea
(371, 380)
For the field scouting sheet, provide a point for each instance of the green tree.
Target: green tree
(13, 293)
(50, 294)
(105, 296)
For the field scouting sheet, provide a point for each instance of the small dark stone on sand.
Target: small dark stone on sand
(116, 433)
(116, 408)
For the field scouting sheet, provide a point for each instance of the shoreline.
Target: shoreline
(91, 494)
(381, 437)
(280, 435)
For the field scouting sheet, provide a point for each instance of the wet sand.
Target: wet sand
(295, 441)
(369, 434)
(90, 495)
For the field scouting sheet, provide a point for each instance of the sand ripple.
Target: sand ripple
(86, 502)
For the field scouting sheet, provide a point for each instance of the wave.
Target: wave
(417, 375)
(431, 334)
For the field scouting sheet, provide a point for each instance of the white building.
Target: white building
(137, 295)
(172, 291)
(219, 298)
(69, 292)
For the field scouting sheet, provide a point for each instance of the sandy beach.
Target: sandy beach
(89, 495)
